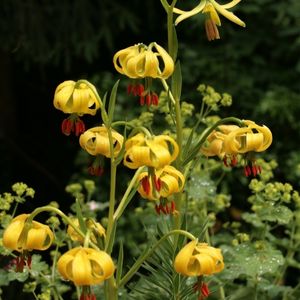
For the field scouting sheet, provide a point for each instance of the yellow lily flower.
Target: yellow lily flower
(21, 236)
(196, 259)
(85, 266)
(140, 61)
(166, 182)
(229, 141)
(73, 98)
(215, 141)
(95, 141)
(155, 151)
(212, 8)
(97, 230)
(246, 139)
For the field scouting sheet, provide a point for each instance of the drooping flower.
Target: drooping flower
(155, 151)
(214, 142)
(25, 236)
(246, 139)
(77, 99)
(95, 141)
(211, 9)
(197, 259)
(85, 267)
(144, 62)
(229, 141)
(140, 61)
(164, 183)
(97, 230)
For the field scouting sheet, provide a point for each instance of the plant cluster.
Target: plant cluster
(179, 156)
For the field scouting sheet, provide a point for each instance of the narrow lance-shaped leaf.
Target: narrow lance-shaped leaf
(120, 155)
(80, 216)
(103, 111)
(120, 264)
(112, 102)
(176, 81)
(175, 44)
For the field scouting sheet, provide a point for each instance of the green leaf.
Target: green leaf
(200, 186)
(79, 215)
(176, 81)
(120, 264)
(19, 276)
(4, 277)
(279, 214)
(175, 44)
(112, 102)
(248, 260)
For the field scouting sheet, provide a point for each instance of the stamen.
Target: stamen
(146, 184)
(157, 183)
(211, 30)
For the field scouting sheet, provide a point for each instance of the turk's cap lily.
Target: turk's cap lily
(141, 61)
(76, 98)
(154, 151)
(197, 259)
(215, 141)
(213, 9)
(95, 141)
(97, 230)
(165, 182)
(85, 266)
(252, 138)
(22, 236)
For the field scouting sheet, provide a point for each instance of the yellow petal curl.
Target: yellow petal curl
(73, 98)
(155, 152)
(214, 145)
(172, 182)
(85, 266)
(196, 259)
(38, 236)
(246, 139)
(222, 9)
(187, 14)
(140, 61)
(97, 230)
(213, 8)
(95, 141)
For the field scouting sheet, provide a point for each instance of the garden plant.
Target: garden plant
(164, 169)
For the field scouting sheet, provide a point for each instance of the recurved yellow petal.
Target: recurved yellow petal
(227, 14)
(21, 236)
(168, 64)
(187, 14)
(85, 266)
(155, 152)
(95, 141)
(76, 98)
(196, 259)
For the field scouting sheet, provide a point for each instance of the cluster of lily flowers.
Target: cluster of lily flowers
(86, 266)
(231, 141)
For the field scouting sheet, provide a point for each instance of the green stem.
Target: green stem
(167, 89)
(222, 293)
(112, 197)
(149, 252)
(111, 290)
(170, 22)
(62, 215)
(193, 152)
(124, 202)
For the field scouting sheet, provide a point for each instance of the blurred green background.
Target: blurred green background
(46, 42)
